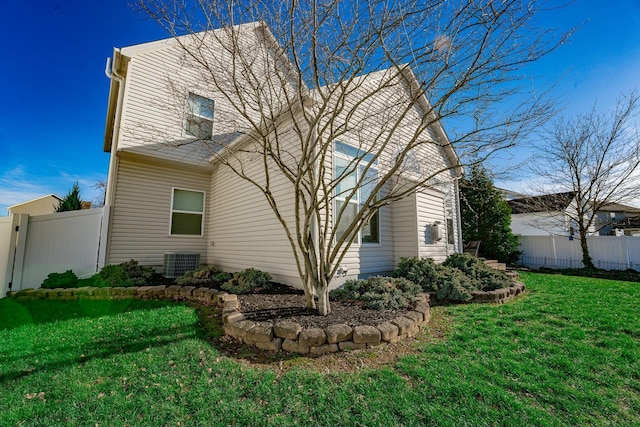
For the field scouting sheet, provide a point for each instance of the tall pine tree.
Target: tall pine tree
(486, 217)
(71, 201)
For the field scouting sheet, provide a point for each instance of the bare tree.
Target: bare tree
(457, 61)
(100, 186)
(595, 157)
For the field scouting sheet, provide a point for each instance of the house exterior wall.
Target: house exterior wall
(141, 214)
(160, 76)
(405, 224)
(539, 224)
(42, 206)
(387, 119)
(432, 210)
(243, 229)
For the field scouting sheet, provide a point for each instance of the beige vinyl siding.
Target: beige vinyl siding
(142, 211)
(160, 77)
(244, 231)
(385, 119)
(365, 259)
(405, 224)
(431, 208)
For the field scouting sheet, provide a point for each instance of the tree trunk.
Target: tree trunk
(586, 257)
(324, 308)
(310, 302)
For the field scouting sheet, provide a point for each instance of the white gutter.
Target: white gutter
(111, 71)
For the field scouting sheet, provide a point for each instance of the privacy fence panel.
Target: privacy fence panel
(607, 252)
(7, 251)
(52, 244)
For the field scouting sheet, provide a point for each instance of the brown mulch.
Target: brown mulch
(274, 308)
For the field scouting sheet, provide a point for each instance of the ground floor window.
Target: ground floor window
(350, 168)
(187, 212)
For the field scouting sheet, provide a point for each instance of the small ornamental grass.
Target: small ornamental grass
(378, 293)
(453, 280)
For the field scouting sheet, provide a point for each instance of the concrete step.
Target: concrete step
(496, 265)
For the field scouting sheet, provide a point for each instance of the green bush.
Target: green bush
(206, 275)
(454, 285)
(421, 271)
(247, 281)
(453, 280)
(68, 279)
(126, 274)
(488, 279)
(378, 293)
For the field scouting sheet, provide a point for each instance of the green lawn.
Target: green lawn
(567, 353)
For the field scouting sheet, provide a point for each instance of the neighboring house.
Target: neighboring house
(628, 226)
(510, 195)
(169, 197)
(41, 206)
(617, 216)
(543, 215)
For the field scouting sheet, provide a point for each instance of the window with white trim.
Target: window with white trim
(350, 167)
(199, 120)
(187, 212)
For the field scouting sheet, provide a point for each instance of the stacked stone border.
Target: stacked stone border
(498, 296)
(291, 336)
(283, 335)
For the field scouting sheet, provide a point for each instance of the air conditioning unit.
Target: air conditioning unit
(177, 263)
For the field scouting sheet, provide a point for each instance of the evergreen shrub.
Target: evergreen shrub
(206, 275)
(68, 279)
(378, 293)
(126, 274)
(247, 281)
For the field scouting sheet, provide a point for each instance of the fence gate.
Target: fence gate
(32, 247)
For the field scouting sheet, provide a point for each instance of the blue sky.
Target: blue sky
(54, 97)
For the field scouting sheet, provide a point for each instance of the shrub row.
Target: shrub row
(126, 274)
(377, 292)
(455, 279)
(130, 273)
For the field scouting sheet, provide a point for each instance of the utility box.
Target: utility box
(177, 264)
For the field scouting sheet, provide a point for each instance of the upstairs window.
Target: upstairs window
(199, 117)
(349, 174)
(187, 212)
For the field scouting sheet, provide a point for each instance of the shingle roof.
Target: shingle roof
(544, 203)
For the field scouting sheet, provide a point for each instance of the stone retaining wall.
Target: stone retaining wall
(291, 336)
(499, 296)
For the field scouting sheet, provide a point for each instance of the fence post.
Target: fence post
(21, 245)
(104, 234)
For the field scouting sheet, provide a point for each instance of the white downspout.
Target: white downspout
(458, 214)
(111, 71)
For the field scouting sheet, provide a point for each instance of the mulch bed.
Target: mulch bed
(290, 306)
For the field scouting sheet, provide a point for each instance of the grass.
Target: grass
(565, 354)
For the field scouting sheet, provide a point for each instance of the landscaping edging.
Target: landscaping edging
(283, 335)
(498, 296)
(291, 336)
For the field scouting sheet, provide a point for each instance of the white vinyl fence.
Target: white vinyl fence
(32, 247)
(608, 252)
